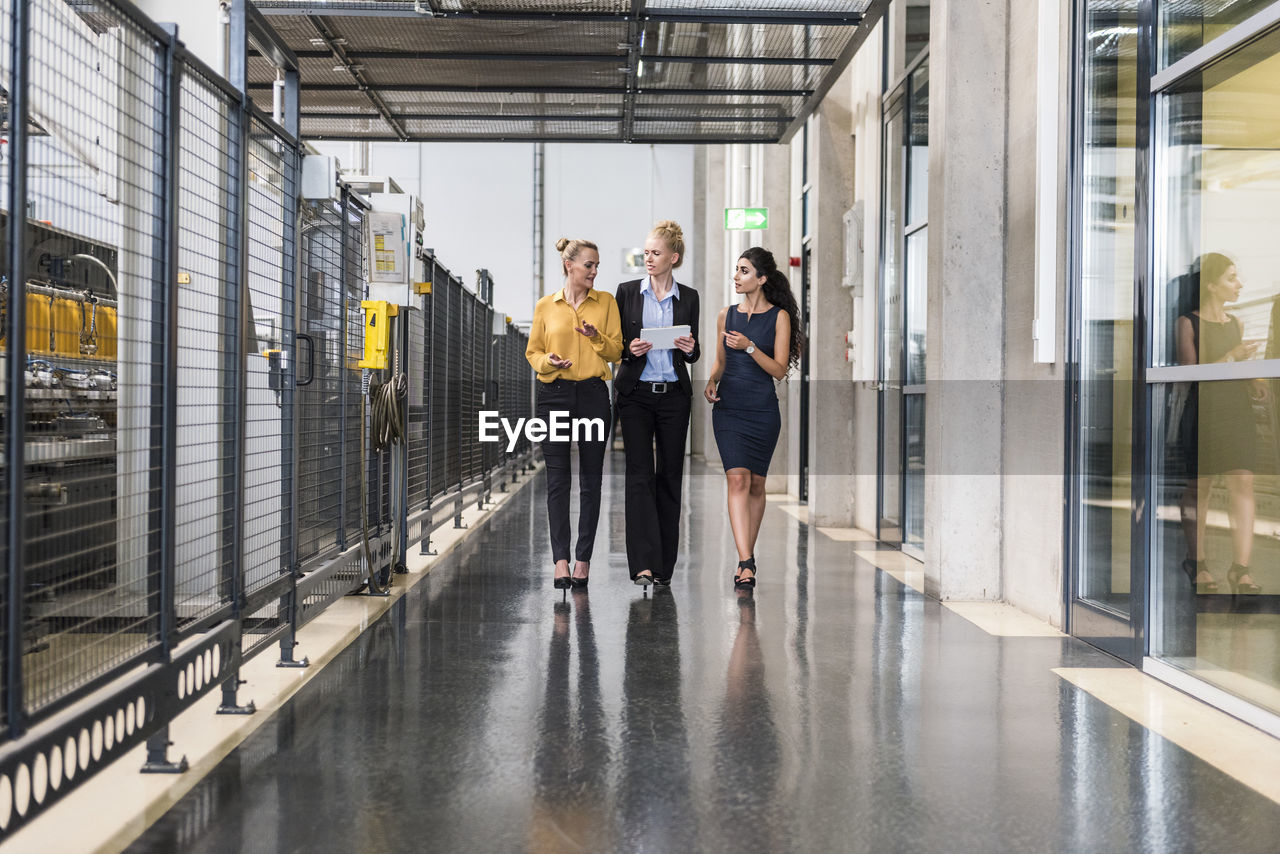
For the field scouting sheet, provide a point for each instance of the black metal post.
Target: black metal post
(163, 512)
(342, 370)
(15, 239)
(429, 365)
(241, 317)
(289, 397)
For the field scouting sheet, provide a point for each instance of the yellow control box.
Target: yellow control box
(377, 333)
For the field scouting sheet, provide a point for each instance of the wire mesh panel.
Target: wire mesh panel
(321, 353)
(467, 378)
(208, 362)
(90, 490)
(353, 325)
(417, 433)
(442, 344)
(453, 403)
(271, 249)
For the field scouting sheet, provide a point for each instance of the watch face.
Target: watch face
(751, 348)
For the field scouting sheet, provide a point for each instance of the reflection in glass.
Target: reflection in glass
(1217, 523)
(918, 148)
(917, 256)
(1220, 192)
(913, 479)
(891, 367)
(1106, 305)
(1189, 24)
(1215, 573)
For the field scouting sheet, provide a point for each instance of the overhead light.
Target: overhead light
(640, 69)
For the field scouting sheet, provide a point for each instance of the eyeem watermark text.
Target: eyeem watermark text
(560, 428)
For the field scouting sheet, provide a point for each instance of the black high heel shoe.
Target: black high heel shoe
(562, 582)
(740, 583)
(1193, 569)
(1237, 572)
(579, 583)
(644, 578)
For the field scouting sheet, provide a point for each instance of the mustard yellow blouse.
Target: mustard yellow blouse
(554, 331)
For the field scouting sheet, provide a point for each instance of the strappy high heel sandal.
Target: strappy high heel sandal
(740, 583)
(1238, 572)
(1195, 569)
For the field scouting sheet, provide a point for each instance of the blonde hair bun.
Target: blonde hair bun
(561, 244)
(673, 235)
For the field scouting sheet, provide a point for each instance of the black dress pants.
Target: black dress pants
(651, 420)
(580, 399)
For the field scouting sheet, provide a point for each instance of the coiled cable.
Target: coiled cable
(386, 411)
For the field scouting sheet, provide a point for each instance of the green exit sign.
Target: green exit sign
(739, 219)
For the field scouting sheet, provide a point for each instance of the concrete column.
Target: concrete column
(775, 183)
(698, 272)
(831, 438)
(964, 408)
(711, 290)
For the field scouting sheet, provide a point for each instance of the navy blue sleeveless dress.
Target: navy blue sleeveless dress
(746, 421)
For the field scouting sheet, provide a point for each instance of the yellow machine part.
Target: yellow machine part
(377, 333)
(54, 325)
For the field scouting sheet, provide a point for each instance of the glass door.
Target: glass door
(1104, 513)
(892, 373)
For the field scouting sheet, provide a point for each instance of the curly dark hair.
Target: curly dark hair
(777, 290)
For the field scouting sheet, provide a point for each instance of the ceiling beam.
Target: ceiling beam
(370, 88)
(635, 45)
(437, 55)
(875, 11)
(778, 17)
(542, 117)
(612, 138)
(331, 40)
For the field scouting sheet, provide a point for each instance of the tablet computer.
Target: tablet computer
(663, 337)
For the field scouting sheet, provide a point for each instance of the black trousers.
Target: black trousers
(652, 421)
(580, 399)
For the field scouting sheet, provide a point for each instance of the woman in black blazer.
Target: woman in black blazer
(654, 395)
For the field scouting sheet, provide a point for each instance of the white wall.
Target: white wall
(478, 200)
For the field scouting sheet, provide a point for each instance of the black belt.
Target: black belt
(658, 388)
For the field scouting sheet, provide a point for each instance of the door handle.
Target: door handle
(311, 359)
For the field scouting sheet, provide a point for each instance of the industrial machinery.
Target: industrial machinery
(70, 401)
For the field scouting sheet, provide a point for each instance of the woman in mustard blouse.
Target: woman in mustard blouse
(576, 333)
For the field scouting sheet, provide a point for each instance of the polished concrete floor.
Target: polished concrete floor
(834, 710)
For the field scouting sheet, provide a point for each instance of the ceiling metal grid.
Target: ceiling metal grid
(608, 70)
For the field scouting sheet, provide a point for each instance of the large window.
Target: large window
(1215, 363)
(904, 309)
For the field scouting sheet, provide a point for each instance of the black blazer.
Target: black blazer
(631, 308)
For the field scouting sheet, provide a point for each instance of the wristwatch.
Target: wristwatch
(751, 348)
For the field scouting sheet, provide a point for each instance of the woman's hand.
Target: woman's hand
(557, 362)
(639, 347)
(1243, 351)
(685, 343)
(586, 329)
(736, 340)
(710, 392)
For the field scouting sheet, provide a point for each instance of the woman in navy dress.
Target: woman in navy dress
(759, 341)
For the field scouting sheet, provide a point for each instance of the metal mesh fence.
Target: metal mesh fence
(353, 341)
(323, 376)
(268, 423)
(187, 345)
(89, 492)
(209, 294)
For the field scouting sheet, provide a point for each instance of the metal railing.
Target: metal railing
(181, 397)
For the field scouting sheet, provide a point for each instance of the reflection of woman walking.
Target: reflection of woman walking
(653, 404)
(1217, 430)
(574, 336)
(759, 340)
